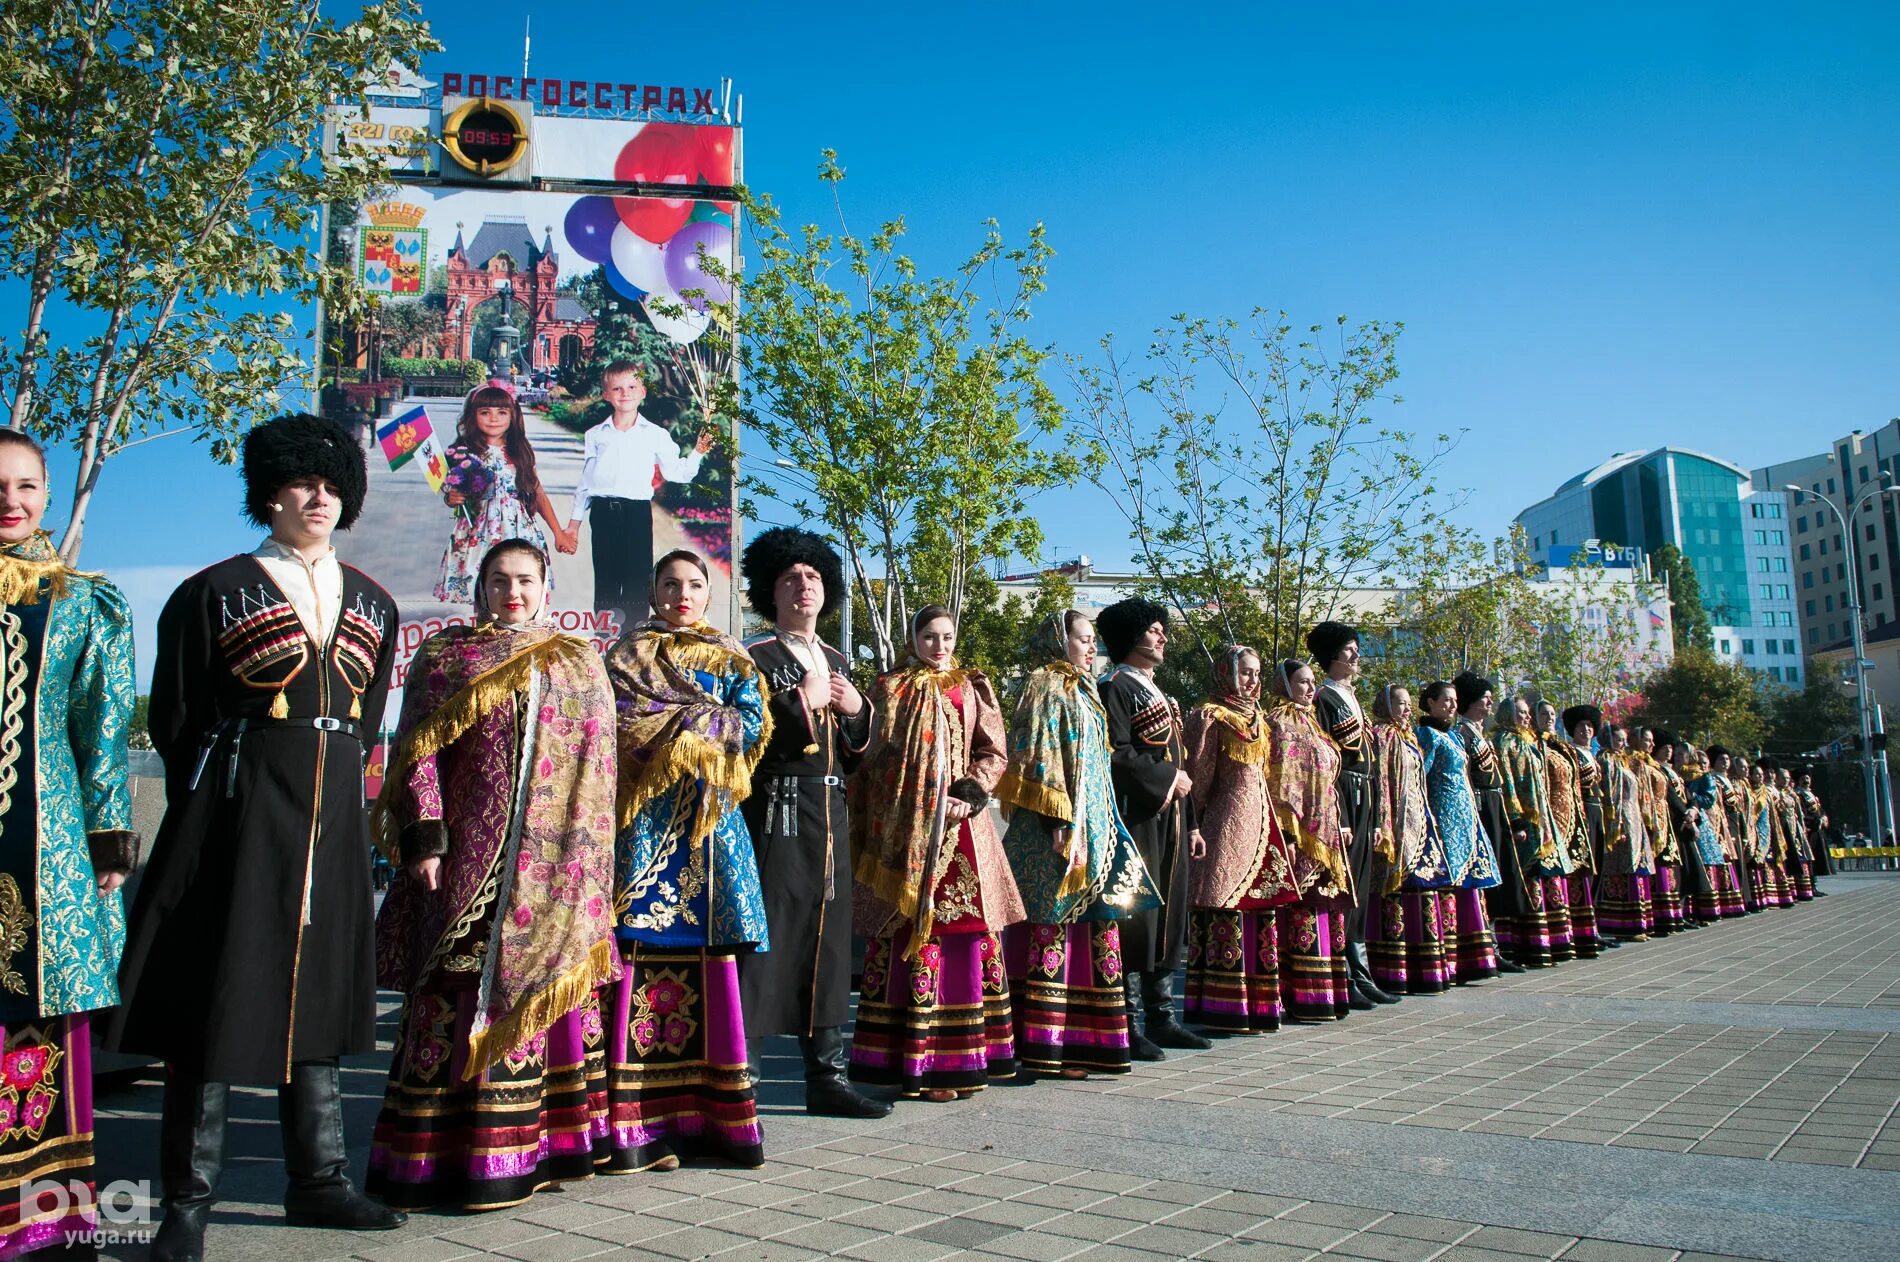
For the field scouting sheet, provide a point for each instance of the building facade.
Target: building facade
(1843, 474)
(1733, 536)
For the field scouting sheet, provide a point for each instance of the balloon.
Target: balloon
(679, 322)
(659, 153)
(620, 284)
(711, 212)
(683, 263)
(589, 227)
(639, 264)
(716, 148)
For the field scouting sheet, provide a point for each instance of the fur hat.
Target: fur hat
(1471, 687)
(774, 551)
(1126, 621)
(1582, 714)
(279, 452)
(1328, 640)
(1718, 751)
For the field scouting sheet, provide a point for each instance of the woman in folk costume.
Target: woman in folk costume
(65, 849)
(1407, 935)
(1729, 779)
(1542, 937)
(1510, 897)
(1244, 868)
(1565, 773)
(934, 888)
(1771, 877)
(498, 930)
(1665, 886)
(1302, 780)
(1799, 850)
(1074, 862)
(1629, 858)
(1716, 850)
(693, 723)
(1470, 863)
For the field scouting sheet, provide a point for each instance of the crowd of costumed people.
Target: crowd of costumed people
(612, 873)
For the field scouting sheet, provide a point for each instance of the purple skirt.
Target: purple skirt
(1405, 935)
(939, 1022)
(1066, 996)
(1313, 959)
(1233, 970)
(46, 1134)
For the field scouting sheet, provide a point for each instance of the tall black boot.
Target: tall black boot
(1164, 1028)
(828, 1093)
(310, 1106)
(190, 1156)
(1140, 1046)
(1359, 974)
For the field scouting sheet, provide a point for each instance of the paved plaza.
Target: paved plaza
(1728, 1093)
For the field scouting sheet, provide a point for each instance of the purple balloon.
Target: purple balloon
(682, 263)
(589, 227)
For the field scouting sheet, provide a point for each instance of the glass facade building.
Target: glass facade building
(1708, 509)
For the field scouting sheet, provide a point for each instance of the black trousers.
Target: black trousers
(623, 555)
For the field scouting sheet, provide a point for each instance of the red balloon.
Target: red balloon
(716, 145)
(659, 153)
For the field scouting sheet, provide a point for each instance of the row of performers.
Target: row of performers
(614, 872)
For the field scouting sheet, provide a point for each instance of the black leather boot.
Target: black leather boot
(1140, 1046)
(310, 1107)
(828, 1093)
(190, 1157)
(1359, 973)
(1164, 1029)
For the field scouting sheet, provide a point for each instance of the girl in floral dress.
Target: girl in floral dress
(491, 428)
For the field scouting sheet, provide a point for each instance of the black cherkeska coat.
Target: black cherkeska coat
(1144, 734)
(226, 975)
(796, 815)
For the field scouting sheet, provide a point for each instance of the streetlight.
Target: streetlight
(1873, 773)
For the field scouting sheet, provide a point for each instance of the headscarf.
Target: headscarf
(1227, 678)
(1049, 649)
(1244, 735)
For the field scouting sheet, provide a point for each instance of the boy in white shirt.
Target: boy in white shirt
(620, 459)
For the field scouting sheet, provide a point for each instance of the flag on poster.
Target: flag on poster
(435, 463)
(406, 434)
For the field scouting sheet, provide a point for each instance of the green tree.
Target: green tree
(909, 410)
(1689, 621)
(1802, 720)
(1707, 699)
(1258, 479)
(160, 173)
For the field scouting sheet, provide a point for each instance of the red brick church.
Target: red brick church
(556, 330)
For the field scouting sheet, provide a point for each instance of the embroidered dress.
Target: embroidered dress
(1470, 862)
(1233, 967)
(1771, 873)
(65, 810)
(1406, 935)
(1716, 850)
(1800, 861)
(1564, 775)
(692, 725)
(1732, 800)
(501, 514)
(504, 770)
(1623, 903)
(1302, 780)
(1541, 937)
(933, 894)
(1665, 886)
(1065, 961)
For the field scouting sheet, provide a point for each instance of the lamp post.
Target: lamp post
(1879, 806)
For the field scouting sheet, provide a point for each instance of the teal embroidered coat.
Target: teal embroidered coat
(66, 697)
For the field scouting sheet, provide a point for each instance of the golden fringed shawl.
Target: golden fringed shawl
(899, 796)
(1044, 773)
(1243, 736)
(553, 935)
(1305, 791)
(1398, 837)
(31, 570)
(671, 729)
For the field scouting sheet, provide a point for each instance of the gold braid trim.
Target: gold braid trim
(448, 722)
(531, 1016)
(22, 576)
(1030, 796)
(690, 756)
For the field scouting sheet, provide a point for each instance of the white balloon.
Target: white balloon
(640, 261)
(680, 322)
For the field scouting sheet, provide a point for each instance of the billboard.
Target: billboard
(526, 246)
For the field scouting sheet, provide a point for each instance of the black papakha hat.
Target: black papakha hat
(1328, 640)
(1124, 622)
(1471, 687)
(1576, 714)
(777, 550)
(279, 452)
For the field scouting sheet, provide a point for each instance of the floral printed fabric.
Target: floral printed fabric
(499, 515)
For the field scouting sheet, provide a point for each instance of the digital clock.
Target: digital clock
(485, 136)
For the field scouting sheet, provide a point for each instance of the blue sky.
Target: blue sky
(1605, 226)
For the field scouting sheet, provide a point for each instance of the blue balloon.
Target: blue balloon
(589, 227)
(620, 284)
